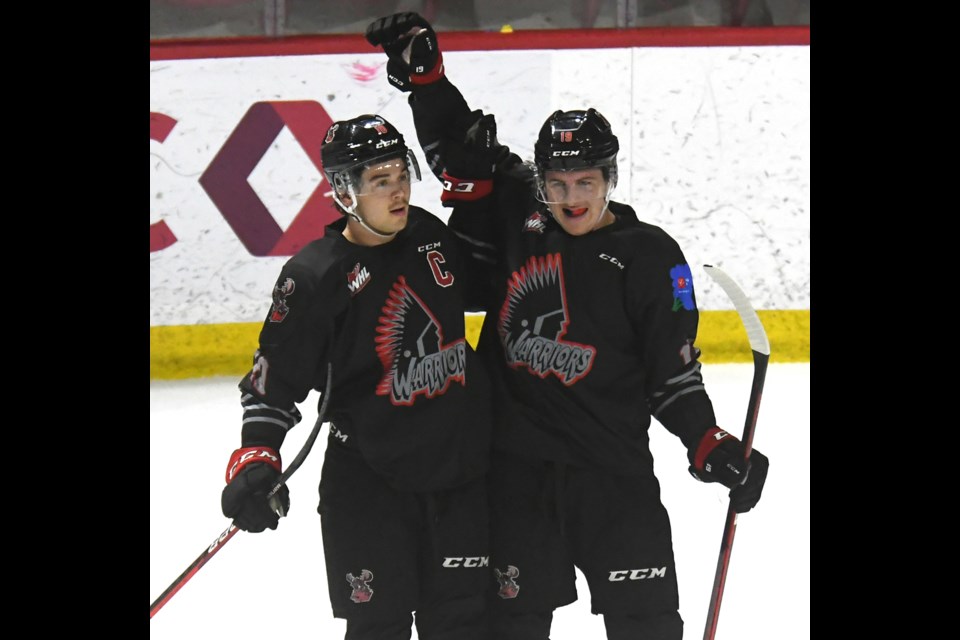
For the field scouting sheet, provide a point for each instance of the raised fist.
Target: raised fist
(468, 164)
(411, 46)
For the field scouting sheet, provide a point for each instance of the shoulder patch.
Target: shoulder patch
(279, 310)
(682, 287)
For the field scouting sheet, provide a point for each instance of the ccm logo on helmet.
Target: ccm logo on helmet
(637, 574)
(469, 563)
(386, 143)
(575, 152)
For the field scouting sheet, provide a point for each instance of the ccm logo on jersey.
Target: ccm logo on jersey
(637, 574)
(609, 258)
(469, 563)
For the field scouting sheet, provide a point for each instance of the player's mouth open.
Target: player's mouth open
(400, 210)
(574, 213)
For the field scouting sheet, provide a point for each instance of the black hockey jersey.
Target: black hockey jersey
(408, 391)
(587, 337)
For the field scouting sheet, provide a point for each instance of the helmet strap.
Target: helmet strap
(611, 185)
(356, 217)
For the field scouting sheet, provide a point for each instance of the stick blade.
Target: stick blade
(751, 321)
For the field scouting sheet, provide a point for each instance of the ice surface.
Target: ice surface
(273, 584)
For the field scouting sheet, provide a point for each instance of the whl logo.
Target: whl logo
(536, 222)
(357, 279)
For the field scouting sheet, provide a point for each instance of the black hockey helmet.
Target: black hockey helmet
(351, 145)
(577, 140)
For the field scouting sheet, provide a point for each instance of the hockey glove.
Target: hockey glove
(468, 165)
(411, 46)
(720, 458)
(251, 473)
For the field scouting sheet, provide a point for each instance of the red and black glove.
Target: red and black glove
(468, 164)
(720, 458)
(251, 473)
(411, 46)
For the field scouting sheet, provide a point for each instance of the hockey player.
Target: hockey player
(379, 297)
(590, 329)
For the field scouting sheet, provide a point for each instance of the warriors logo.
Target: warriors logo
(280, 309)
(331, 132)
(361, 590)
(533, 320)
(410, 345)
(508, 586)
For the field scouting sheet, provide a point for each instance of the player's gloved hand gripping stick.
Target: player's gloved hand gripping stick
(252, 471)
(250, 498)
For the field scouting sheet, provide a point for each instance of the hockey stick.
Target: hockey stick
(761, 356)
(230, 531)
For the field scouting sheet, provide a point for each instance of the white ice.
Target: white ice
(273, 584)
